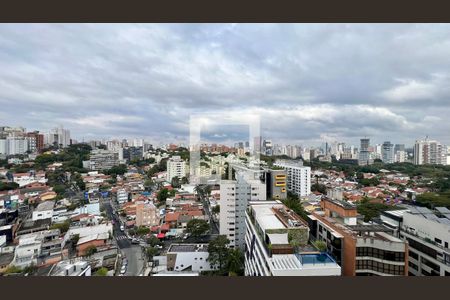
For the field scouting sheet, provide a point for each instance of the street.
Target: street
(133, 253)
(214, 227)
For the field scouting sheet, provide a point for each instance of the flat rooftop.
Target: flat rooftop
(47, 205)
(188, 248)
(274, 215)
(440, 215)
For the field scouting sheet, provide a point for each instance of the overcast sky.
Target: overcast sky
(308, 83)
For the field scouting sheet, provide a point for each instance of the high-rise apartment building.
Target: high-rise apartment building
(277, 244)
(176, 167)
(387, 153)
(364, 157)
(35, 141)
(13, 145)
(428, 235)
(429, 152)
(234, 198)
(276, 184)
(57, 137)
(298, 176)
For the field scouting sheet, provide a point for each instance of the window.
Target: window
(413, 255)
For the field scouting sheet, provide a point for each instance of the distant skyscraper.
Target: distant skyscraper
(267, 147)
(429, 152)
(364, 154)
(387, 153)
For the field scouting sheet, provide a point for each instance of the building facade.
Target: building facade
(298, 177)
(276, 244)
(176, 167)
(360, 248)
(103, 159)
(428, 235)
(234, 198)
(429, 152)
(146, 214)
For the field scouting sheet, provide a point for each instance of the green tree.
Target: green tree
(12, 269)
(317, 187)
(218, 251)
(175, 182)
(294, 204)
(117, 170)
(432, 200)
(162, 196)
(235, 262)
(8, 186)
(142, 230)
(150, 252)
(90, 251)
(216, 209)
(101, 272)
(197, 227)
(320, 245)
(63, 227)
(153, 241)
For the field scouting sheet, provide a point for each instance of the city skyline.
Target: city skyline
(309, 83)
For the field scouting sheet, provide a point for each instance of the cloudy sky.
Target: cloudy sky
(308, 83)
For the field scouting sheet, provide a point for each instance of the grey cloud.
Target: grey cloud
(308, 81)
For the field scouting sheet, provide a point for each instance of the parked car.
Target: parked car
(122, 228)
(123, 269)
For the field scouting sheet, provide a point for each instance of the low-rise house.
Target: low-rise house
(43, 211)
(188, 258)
(37, 248)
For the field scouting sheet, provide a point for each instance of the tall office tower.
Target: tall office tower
(387, 152)
(176, 167)
(298, 176)
(234, 198)
(247, 144)
(428, 152)
(364, 154)
(277, 244)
